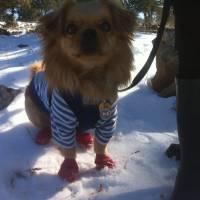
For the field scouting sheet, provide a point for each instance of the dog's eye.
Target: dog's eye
(105, 26)
(71, 29)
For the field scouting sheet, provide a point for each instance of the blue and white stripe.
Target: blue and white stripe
(63, 120)
(105, 128)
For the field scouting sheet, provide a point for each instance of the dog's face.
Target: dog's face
(90, 38)
(89, 31)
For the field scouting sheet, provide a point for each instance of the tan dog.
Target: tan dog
(87, 55)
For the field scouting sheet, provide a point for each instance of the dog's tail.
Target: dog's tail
(35, 68)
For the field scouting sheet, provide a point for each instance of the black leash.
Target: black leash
(166, 9)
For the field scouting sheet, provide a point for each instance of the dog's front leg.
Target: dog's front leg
(102, 158)
(69, 168)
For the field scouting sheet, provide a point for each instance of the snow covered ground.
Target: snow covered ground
(146, 126)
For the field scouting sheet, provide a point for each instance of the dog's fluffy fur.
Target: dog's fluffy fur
(98, 75)
(86, 49)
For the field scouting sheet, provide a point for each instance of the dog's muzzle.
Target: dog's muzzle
(89, 41)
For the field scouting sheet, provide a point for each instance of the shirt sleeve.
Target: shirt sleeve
(63, 122)
(105, 128)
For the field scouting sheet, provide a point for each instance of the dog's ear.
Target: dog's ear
(52, 23)
(48, 24)
(123, 19)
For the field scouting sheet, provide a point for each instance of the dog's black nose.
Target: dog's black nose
(89, 41)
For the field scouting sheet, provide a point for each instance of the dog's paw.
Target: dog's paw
(85, 139)
(69, 170)
(43, 137)
(102, 161)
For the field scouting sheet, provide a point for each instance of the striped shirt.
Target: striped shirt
(64, 122)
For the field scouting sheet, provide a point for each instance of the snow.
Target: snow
(146, 126)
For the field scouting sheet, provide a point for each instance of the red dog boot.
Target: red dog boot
(69, 170)
(84, 139)
(103, 160)
(43, 137)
